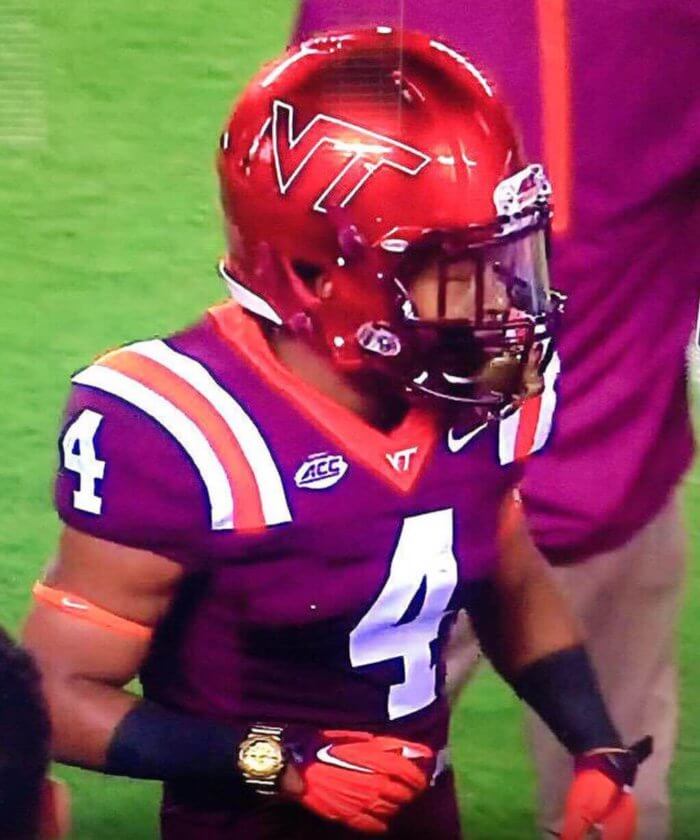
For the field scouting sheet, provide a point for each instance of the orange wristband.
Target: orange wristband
(78, 607)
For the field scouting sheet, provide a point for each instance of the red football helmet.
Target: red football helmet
(377, 202)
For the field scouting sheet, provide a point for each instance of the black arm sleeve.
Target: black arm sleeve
(562, 688)
(152, 742)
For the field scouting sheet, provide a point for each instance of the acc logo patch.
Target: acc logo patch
(320, 471)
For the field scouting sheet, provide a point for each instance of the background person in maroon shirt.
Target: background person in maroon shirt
(603, 94)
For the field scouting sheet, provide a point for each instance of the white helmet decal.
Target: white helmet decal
(366, 152)
(528, 187)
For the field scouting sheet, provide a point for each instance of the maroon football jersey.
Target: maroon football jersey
(324, 558)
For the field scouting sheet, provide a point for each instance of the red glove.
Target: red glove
(362, 780)
(601, 793)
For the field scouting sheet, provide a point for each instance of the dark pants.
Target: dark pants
(433, 815)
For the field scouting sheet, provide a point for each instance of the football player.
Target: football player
(272, 517)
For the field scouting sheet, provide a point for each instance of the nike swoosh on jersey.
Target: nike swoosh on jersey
(324, 755)
(73, 605)
(454, 444)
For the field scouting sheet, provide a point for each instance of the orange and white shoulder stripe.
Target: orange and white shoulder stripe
(242, 481)
(527, 429)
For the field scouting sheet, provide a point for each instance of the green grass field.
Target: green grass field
(109, 118)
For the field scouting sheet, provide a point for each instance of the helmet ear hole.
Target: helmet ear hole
(309, 274)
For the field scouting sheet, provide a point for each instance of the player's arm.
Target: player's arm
(90, 631)
(524, 617)
(100, 601)
(529, 632)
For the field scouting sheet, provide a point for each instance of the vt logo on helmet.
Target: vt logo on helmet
(379, 205)
(366, 152)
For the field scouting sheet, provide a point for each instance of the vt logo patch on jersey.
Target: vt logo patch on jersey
(320, 471)
(360, 154)
(401, 460)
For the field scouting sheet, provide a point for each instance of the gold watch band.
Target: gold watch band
(265, 784)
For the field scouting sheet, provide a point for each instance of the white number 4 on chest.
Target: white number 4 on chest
(423, 560)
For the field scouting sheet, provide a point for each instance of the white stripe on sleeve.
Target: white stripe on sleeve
(255, 450)
(179, 426)
(507, 436)
(548, 404)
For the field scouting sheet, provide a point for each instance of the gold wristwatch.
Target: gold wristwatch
(261, 758)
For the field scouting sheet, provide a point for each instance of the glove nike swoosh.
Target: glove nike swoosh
(411, 752)
(454, 444)
(325, 756)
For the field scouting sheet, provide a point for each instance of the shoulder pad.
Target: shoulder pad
(159, 416)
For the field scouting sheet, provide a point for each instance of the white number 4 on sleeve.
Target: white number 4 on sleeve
(79, 457)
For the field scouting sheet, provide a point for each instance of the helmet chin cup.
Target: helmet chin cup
(379, 340)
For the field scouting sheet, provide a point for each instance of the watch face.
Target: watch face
(261, 756)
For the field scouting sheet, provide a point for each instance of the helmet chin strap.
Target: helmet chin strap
(299, 324)
(247, 299)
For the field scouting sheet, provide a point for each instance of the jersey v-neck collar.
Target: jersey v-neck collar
(398, 456)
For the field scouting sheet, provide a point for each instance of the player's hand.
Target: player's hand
(361, 780)
(600, 796)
